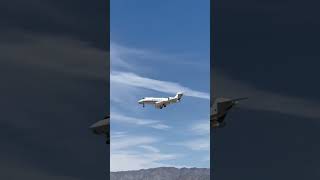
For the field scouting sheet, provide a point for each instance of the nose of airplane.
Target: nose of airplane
(140, 101)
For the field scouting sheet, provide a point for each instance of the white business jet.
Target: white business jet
(161, 102)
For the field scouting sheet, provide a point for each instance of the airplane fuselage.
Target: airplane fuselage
(160, 102)
(152, 100)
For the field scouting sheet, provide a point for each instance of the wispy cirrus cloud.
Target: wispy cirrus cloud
(135, 80)
(117, 117)
(126, 141)
(124, 57)
(132, 152)
(201, 128)
(196, 144)
(200, 141)
(150, 148)
(124, 161)
(119, 56)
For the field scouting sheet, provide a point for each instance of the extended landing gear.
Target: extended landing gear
(162, 106)
(143, 105)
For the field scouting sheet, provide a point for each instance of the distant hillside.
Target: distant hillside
(163, 173)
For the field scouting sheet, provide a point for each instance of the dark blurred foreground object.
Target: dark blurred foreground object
(220, 109)
(102, 127)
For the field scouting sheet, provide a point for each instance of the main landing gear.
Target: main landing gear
(162, 106)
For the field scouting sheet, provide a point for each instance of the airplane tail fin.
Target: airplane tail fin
(179, 96)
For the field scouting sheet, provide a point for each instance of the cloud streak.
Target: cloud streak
(134, 80)
(201, 128)
(201, 138)
(117, 117)
(123, 159)
(123, 57)
(202, 144)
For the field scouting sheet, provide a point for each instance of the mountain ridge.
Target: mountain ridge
(163, 173)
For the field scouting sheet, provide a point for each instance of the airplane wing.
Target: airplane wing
(161, 104)
(239, 99)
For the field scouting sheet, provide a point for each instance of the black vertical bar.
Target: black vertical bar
(212, 86)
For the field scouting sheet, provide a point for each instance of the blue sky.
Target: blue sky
(157, 49)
